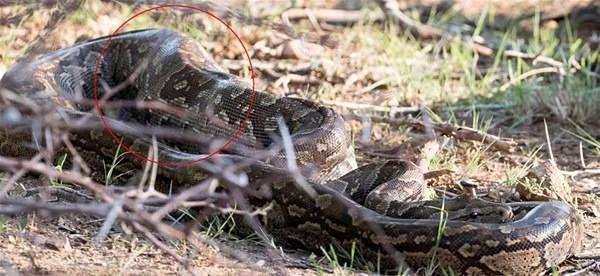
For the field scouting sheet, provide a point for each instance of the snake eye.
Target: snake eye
(474, 214)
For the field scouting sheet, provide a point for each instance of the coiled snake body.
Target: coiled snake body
(343, 205)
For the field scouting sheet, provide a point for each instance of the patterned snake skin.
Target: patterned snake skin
(380, 208)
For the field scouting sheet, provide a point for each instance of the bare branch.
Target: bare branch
(459, 132)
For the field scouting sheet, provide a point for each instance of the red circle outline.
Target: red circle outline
(140, 156)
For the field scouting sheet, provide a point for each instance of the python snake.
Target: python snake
(343, 205)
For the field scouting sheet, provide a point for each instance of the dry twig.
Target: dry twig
(334, 16)
(459, 132)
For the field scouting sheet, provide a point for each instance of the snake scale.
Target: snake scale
(343, 205)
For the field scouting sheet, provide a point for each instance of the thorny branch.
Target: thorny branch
(144, 211)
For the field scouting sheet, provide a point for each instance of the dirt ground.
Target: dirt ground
(39, 245)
